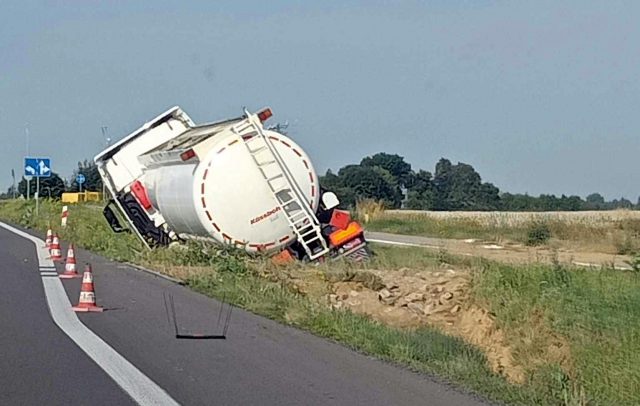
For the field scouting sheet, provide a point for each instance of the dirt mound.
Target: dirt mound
(439, 298)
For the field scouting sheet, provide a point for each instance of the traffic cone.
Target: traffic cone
(87, 302)
(49, 239)
(56, 253)
(70, 266)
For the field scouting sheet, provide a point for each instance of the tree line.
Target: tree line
(53, 186)
(390, 179)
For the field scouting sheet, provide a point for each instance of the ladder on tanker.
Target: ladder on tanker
(284, 187)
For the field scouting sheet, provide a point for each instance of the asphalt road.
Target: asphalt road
(38, 363)
(260, 362)
(406, 240)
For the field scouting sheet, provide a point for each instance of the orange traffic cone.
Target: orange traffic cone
(87, 301)
(70, 266)
(48, 240)
(56, 253)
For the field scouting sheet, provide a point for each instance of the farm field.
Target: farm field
(532, 332)
(596, 236)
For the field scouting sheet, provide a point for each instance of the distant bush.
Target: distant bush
(635, 263)
(538, 233)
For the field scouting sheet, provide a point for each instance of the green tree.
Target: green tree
(370, 183)
(459, 187)
(595, 201)
(421, 194)
(393, 163)
(52, 186)
(93, 181)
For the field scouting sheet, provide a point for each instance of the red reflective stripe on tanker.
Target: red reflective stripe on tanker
(259, 247)
(204, 204)
(202, 188)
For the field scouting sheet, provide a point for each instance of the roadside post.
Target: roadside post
(28, 179)
(37, 168)
(13, 175)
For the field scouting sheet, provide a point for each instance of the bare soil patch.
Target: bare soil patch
(411, 299)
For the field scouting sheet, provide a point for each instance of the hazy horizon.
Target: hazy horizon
(538, 97)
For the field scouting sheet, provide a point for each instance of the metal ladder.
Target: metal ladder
(284, 187)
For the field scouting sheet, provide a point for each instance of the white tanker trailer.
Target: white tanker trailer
(232, 182)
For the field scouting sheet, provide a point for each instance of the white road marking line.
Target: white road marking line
(407, 244)
(139, 386)
(590, 265)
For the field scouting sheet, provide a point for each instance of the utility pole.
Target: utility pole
(13, 175)
(107, 143)
(26, 134)
(37, 194)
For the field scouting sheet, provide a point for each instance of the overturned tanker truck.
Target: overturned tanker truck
(232, 182)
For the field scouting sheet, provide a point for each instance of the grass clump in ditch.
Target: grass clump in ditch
(538, 233)
(580, 325)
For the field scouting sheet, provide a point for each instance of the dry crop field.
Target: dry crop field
(615, 232)
(602, 218)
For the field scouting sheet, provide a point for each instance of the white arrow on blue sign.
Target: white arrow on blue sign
(37, 167)
(80, 179)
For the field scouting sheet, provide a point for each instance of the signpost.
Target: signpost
(80, 179)
(37, 168)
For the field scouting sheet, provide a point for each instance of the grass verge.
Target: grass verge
(594, 314)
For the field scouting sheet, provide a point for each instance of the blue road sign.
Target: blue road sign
(37, 167)
(80, 179)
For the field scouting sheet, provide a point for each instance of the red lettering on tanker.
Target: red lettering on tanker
(265, 215)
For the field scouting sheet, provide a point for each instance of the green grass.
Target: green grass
(596, 313)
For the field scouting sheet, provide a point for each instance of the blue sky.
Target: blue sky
(540, 97)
